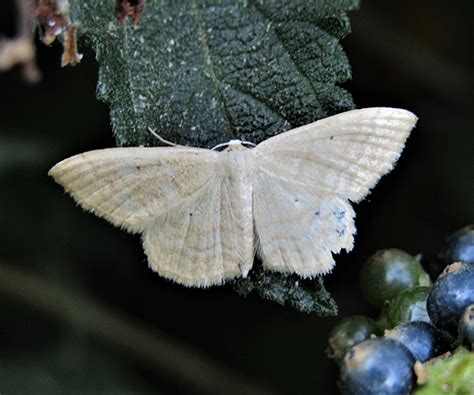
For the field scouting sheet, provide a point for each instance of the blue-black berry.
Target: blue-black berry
(466, 327)
(451, 293)
(458, 247)
(377, 366)
(422, 339)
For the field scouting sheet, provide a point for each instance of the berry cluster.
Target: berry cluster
(422, 329)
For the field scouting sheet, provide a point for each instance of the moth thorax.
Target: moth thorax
(235, 145)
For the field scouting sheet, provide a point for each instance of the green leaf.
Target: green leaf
(203, 72)
(308, 296)
(447, 374)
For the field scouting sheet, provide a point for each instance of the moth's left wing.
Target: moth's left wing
(324, 164)
(177, 197)
(202, 241)
(130, 187)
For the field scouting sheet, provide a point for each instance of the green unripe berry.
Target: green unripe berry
(388, 272)
(348, 333)
(409, 305)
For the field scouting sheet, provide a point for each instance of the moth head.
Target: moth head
(234, 145)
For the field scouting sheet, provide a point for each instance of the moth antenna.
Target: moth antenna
(219, 146)
(162, 139)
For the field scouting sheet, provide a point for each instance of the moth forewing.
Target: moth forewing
(130, 186)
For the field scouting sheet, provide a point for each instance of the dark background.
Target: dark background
(413, 55)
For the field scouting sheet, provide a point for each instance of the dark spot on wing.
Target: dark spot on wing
(340, 214)
(340, 232)
(317, 213)
(138, 167)
(331, 138)
(190, 214)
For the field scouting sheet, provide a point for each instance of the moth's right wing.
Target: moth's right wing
(344, 155)
(130, 187)
(305, 178)
(298, 226)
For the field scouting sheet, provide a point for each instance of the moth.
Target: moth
(203, 214)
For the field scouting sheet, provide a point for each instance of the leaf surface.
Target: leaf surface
(203, 72)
